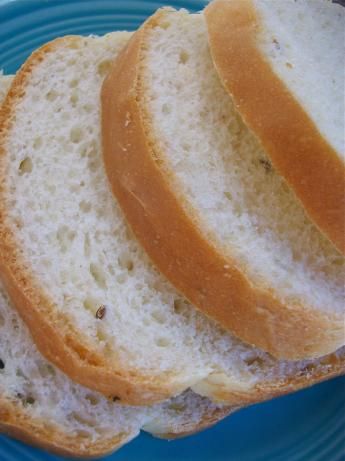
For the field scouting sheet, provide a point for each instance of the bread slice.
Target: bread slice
(40, 405)
(66, 251)
(205, 202)
(288, 84)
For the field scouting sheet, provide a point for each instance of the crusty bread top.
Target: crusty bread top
(41, 406)
(283, 62)
(205, 202)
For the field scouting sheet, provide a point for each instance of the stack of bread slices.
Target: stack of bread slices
(171, 222)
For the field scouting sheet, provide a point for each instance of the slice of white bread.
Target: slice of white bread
(66, 251)
(205, 202)
(287, 81)
(40, 405)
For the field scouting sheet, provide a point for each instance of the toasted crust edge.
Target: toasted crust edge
(211, 281)
(17, 424)
(187, 429)
(311, 375)
(290, 137)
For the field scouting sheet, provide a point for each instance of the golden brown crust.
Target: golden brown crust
(331, 367)
(17, 424)
(308, 162)
(212, 281)
(52, 331)
(187, 428)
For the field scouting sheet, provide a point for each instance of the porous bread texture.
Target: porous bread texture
(304, 43)
(221, 170)
(70, 236)
(219, 187)
(283, 63)
(44, 395)
(70, 419)
(241, 201)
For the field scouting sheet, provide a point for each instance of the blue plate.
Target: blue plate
(309, 425)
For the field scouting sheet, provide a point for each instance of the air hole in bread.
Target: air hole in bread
(121, 278)
(51, 95)
(83, 151)
(30, 400)
(101, 336)
(162, 342)
(94, 164)
(25, 399)
(93, 152)
(25, 166)
(46, 262)
(237, 210)
(159, 317)
(46, 369)
(65, 237)
(85, 206)
(276, 43)
(87, 245)
(266, 164)
(98, 275)
(178, 305)
(146, 321)
(310, 367)
(2, 321)
(177, 407)
(164, 24)
(74, 98)
(87, 108)
(19, 222)
(126, 262)
(92, 304)
(76, 135)
(338, 261)
(103, 67)
(228, 195)
(73, 83)
(82, 420)
(166, 108)
(184, 56)
(111, 269)
(20, 373)
(255, 362)
(37, 142)
(92, 399)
